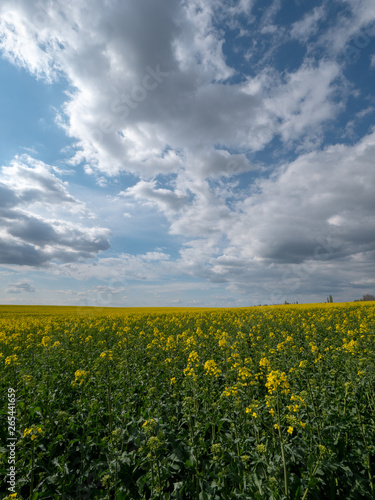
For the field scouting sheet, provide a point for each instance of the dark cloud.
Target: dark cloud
(33, 230)
(21, 286)
(7, 198)
(30, 239)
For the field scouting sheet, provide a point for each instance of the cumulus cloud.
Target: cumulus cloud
(27, 237)
(310, 224)
(166, 199)
(150, 84)
(297, 226)
(321, 194)
(306, 100)
(30, 181)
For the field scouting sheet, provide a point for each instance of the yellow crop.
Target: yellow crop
(177, 401)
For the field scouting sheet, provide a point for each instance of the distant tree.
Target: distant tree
(330, 299)
(367, 297)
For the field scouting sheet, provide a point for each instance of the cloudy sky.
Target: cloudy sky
(193, 152)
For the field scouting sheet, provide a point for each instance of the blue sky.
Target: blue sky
(193, 153)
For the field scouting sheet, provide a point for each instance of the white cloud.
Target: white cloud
(243, 7)
(288, 215)
(352, 32)
(33, 182)
(309, 24)
(28, 237)
(316, 207)
(165, 199)
(304, 231)
(21, 43)
(200, 41)
(149, 83)
(306, 100)
(295, 229)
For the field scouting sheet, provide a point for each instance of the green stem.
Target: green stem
(282, 448)
(109, 396)
(368, 465)
(32, 470)
(314, 409)
(152, 478)
(237, 441)
(311, 476)
(158, 471)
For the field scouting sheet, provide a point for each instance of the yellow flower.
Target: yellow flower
(231, 391)
(173, 380)
(149, 425)
(223, 342)
(277, 379)
(290, 430)
(244, 373)
(193, 361)
(211, 368)
(264, 363)
(193, 358)
(46, 340)
(103, 355)
(79, 377)
(277, 426)
(32, 432)
(189, 372)
(11, 359)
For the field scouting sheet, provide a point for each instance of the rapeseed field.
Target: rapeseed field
(253, 403)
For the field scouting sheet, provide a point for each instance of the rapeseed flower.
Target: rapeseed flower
(277, 379)
(32, 432)
(11, 360)
(211, 368)
(79, 377)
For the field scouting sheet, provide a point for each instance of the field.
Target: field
(255, 403)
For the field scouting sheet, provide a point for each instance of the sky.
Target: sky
(186, 153)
